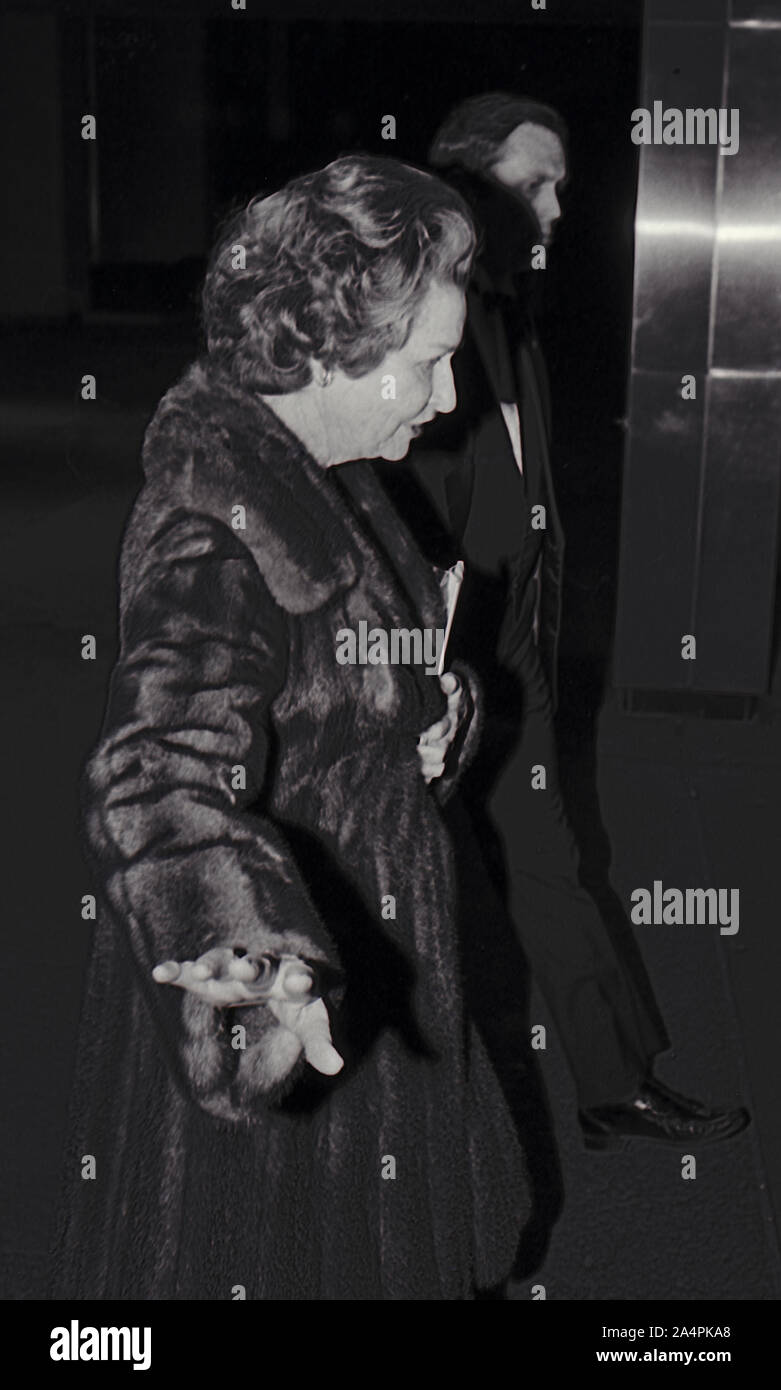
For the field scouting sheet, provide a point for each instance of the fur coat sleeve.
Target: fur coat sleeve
(183, 853)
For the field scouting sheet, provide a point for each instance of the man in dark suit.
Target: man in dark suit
(480, 488)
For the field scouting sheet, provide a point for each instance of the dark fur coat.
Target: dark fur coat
(206, 1177)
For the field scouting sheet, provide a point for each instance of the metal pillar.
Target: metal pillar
(702, 479)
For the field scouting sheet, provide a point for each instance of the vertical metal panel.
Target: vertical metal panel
(676, 206)
(741, 477)
(738, 559)
(716, 462)
(677, 187)
(748, 308)
(661, 491)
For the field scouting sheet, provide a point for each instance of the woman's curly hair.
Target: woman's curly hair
(331, 268)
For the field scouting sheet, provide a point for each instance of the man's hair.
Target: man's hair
(472, 134)
(335, 266)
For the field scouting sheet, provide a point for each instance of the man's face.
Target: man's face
(531, 163)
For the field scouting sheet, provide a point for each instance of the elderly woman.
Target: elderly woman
(278, 1087)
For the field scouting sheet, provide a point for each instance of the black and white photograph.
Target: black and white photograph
(391, 446)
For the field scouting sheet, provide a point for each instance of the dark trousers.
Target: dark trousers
(608, 1034)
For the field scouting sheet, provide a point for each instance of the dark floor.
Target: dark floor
(690, 801)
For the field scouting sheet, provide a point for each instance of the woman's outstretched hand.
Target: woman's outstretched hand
(227, 979)
(433, 745)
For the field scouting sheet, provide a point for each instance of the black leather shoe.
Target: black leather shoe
(659, 1113)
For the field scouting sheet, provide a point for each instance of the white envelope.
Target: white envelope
(449, 586)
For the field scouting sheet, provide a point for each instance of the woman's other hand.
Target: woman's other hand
(433, 745)
(229, 978)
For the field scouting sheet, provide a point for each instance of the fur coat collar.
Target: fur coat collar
(214, 445)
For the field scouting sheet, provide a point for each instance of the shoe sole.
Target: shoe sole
(619, 1143)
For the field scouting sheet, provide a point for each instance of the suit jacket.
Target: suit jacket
(207, 1174)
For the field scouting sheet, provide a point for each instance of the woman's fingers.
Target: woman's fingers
(430, 758)
(431, 773)
(315, 1033)
(443, 731)
(210, 976)
(202, 978)
(166, 972)
(436, 732)
(456, 706)
(432, 750)
(227, 980)
(310, 1024)
(294, 980)
(431, 765)
(298, 982)
(288, 985)
(244, 968)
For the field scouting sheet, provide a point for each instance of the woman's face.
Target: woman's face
(377, 415)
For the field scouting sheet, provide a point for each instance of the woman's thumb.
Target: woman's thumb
(314, 1031)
